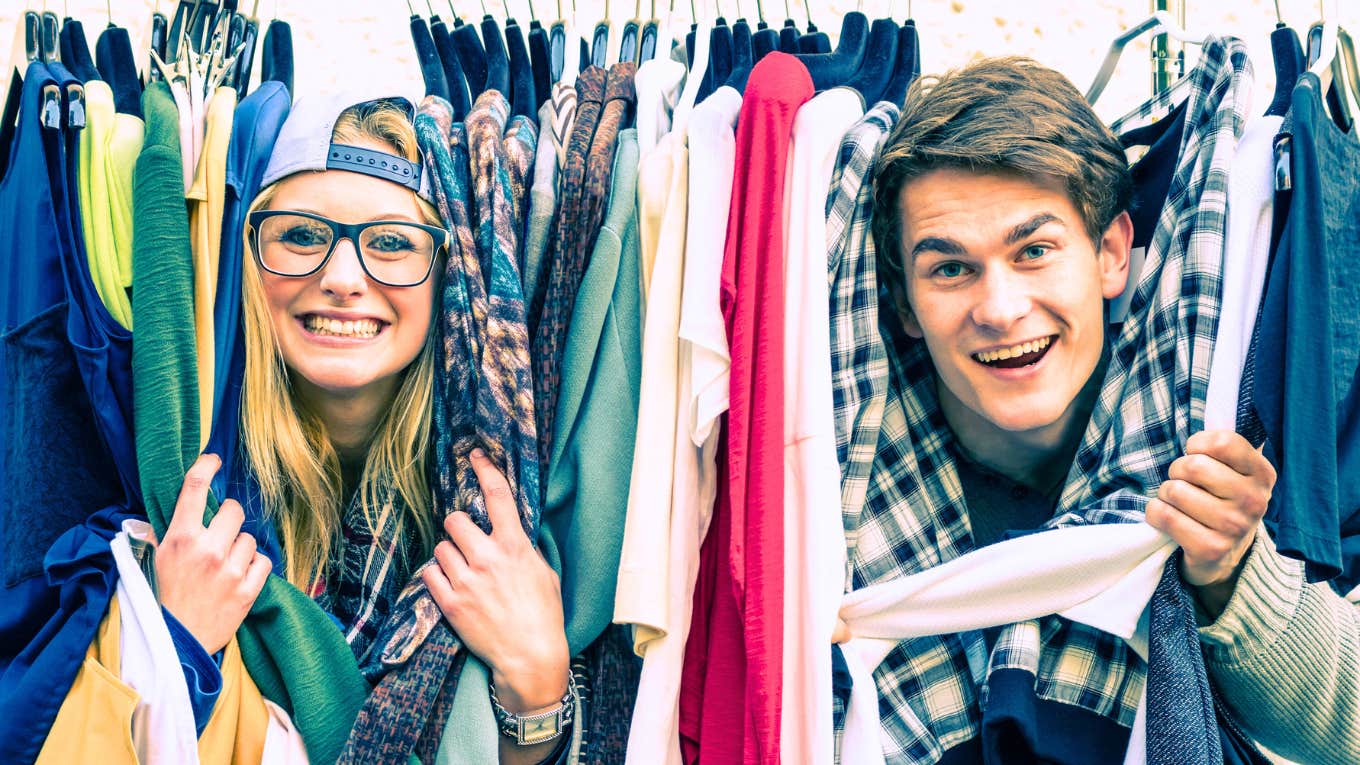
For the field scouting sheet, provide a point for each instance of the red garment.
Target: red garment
(733, 674)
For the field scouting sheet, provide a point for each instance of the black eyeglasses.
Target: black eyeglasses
(396, 253)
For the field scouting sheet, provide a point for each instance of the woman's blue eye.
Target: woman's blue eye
(1035, 251)
(951, 270)
(388, 242)
(305, 236)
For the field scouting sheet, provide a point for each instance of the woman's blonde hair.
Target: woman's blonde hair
(287, 444)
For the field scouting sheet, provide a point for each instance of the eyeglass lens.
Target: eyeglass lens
(394, 253)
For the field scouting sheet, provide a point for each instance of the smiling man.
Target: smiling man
(1001, 220)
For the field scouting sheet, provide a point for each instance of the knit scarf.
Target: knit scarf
(483, 398)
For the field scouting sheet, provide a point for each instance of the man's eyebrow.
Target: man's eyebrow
(1030, 226)
(937, 244)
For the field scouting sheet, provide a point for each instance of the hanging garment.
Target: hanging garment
(291, 648)
(859, 362)
(58, 574)
(206, 198)
(254, 127)
(915, 519)
(814, 542)
(585, 188)
(543, 193)
(659, 85)
(662, 537)
(1251, 207)
(482, 399)
(109, 145)
(734, 658)
(1306, 389)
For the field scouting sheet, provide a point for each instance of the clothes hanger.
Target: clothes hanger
(179, 24)
(647, 46)
(276, 62)
(115, 61)
(75, 49)
(245, 62)
(431, 68)
(1329, 62)
(539, 59)
(201, 24)
(453, 69)
(908, 65)
(788, 34)
(1287, 56)
(720, 54)
(159, 38)
(628, 36)
(743, 55)
(557, 45)
(876, 68)
(49, 43)
(521, 94)
(497, 60)
(815, 41)
(471, 54)
(599, 40)
(829, 70)
(1159, 21)
(765, 39)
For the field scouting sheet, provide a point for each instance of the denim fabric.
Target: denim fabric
(1179, 701)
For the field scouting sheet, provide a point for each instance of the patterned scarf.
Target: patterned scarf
(483, 398)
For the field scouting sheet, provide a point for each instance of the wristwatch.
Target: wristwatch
(528, 730)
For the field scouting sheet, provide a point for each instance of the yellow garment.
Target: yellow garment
(206, 198)
(109, 145)
(94, 723)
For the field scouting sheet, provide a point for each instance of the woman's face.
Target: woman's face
(343, 333)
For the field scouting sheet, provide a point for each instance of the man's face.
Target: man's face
(1007, 290)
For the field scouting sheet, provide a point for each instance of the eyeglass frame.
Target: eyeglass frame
(339, 231)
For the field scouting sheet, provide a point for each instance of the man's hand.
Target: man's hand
(1211, 504)
(208, 578)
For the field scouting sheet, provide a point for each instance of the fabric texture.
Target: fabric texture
(479, 174)
(735, 715)
(1152, 399)
(814, 540)
(109, 145)
(291, 648)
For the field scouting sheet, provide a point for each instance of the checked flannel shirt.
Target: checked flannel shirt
(914, 515)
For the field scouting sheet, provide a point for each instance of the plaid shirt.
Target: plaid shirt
(914, 515)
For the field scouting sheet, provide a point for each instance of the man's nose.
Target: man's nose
(1005, 299)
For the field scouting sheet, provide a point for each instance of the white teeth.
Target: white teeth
(1013, 351)
(321, 325)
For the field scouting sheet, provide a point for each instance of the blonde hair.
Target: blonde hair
(289, 450)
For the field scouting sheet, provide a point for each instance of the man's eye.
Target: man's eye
(1035, 251)
(951, 270)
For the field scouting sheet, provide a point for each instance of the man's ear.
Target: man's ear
(1114, 256)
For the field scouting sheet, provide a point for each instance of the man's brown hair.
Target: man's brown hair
(1009, 115)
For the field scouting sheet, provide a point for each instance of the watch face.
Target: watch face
(536, 731)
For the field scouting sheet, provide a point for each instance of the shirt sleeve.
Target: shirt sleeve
(1285, 656)
(202, 673)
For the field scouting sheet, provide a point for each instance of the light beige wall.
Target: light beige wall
(340, 41)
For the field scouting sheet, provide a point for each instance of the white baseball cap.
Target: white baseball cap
(304, 143)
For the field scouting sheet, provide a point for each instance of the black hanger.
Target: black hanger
(471, 55)
(453, 69)
(585, 56)
(32, 43)
(815, 40)
(160, 34)
(1335, 97)
(706, 84)
(245, 60)
(236, 38)
(719, 58)
(788, 37)
(628, 36)
(276, 64)
(522, 100)
(765, 39)
(431, 68)
(908, 66)
(49, 44)
(651, 31)
(75, 50)
(1287, 53)
(880, 57)
(201, 24)
(182, 18)
(539, 62)
(113, 56)
(831, 69)
(557, 46)
(497, 61)
(743, 56)
(599, 41)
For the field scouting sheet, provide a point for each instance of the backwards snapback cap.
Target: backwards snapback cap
(304, 143)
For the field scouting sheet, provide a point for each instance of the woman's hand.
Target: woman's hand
(208, 578)
(503, 599)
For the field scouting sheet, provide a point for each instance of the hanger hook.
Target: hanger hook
(760, 12)
(483, 4)
(808, 10)
(410, 7)
(693, 14)
(505, 6)
(787, 13)
(108, 12)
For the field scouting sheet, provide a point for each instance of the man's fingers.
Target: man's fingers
(1208, 473)
(225, 526)
(1232, 450)
(1207, 510)
(193, 495)
(500, 501)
